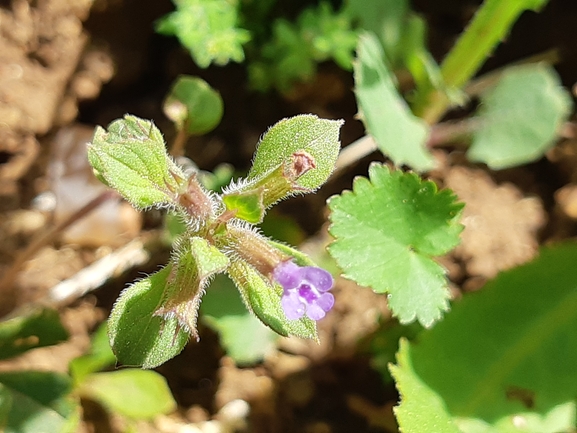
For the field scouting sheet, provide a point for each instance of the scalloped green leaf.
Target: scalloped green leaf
(137, 394)
(387, 231)
(520, 117)
(504, 359)
(306, 132)
(38, 328)
(264, 301)
(131, 158)
(399, 134)
(139, 337)
(193, 105)
(38, 401)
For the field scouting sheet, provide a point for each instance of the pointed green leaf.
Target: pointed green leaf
(38, 402)
(153, 318)
(137, 335)
(504, 359)
(137, 394)
(317, 137)
(399, 134)
(247, 205)
(387, 230)
(243, 336)
(264, 300)
(37, 329)
(193, 105)
(132, 159)
(520, 117)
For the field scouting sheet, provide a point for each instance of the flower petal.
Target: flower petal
(315, 312)
(318, 277)
(292, 305)
(288, 275)
(326, 301)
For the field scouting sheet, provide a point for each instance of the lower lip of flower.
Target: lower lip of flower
(307, 293)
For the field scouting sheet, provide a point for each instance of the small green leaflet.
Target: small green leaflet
(193, 105)
(386, 232)
(399, 134)
(246, 205)
(520, 117)
(504, 360)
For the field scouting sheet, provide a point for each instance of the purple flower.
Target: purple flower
(305, 290)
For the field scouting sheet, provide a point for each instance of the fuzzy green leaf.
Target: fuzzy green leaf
(264, 300)
(243, 336)
(193, 105)
(139, 337)
(195, 261)
(504, 359)
(153, 318)
(386, 232)
(38, 402)
(520, 117)
(318, 137)
(399, 134)
(137, 394)
(208, 29)
(131, 158)
(37, 329)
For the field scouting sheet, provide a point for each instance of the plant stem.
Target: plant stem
(177, 148)
(489, 26)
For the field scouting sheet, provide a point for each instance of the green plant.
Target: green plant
(494, 363)
(33, 401)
